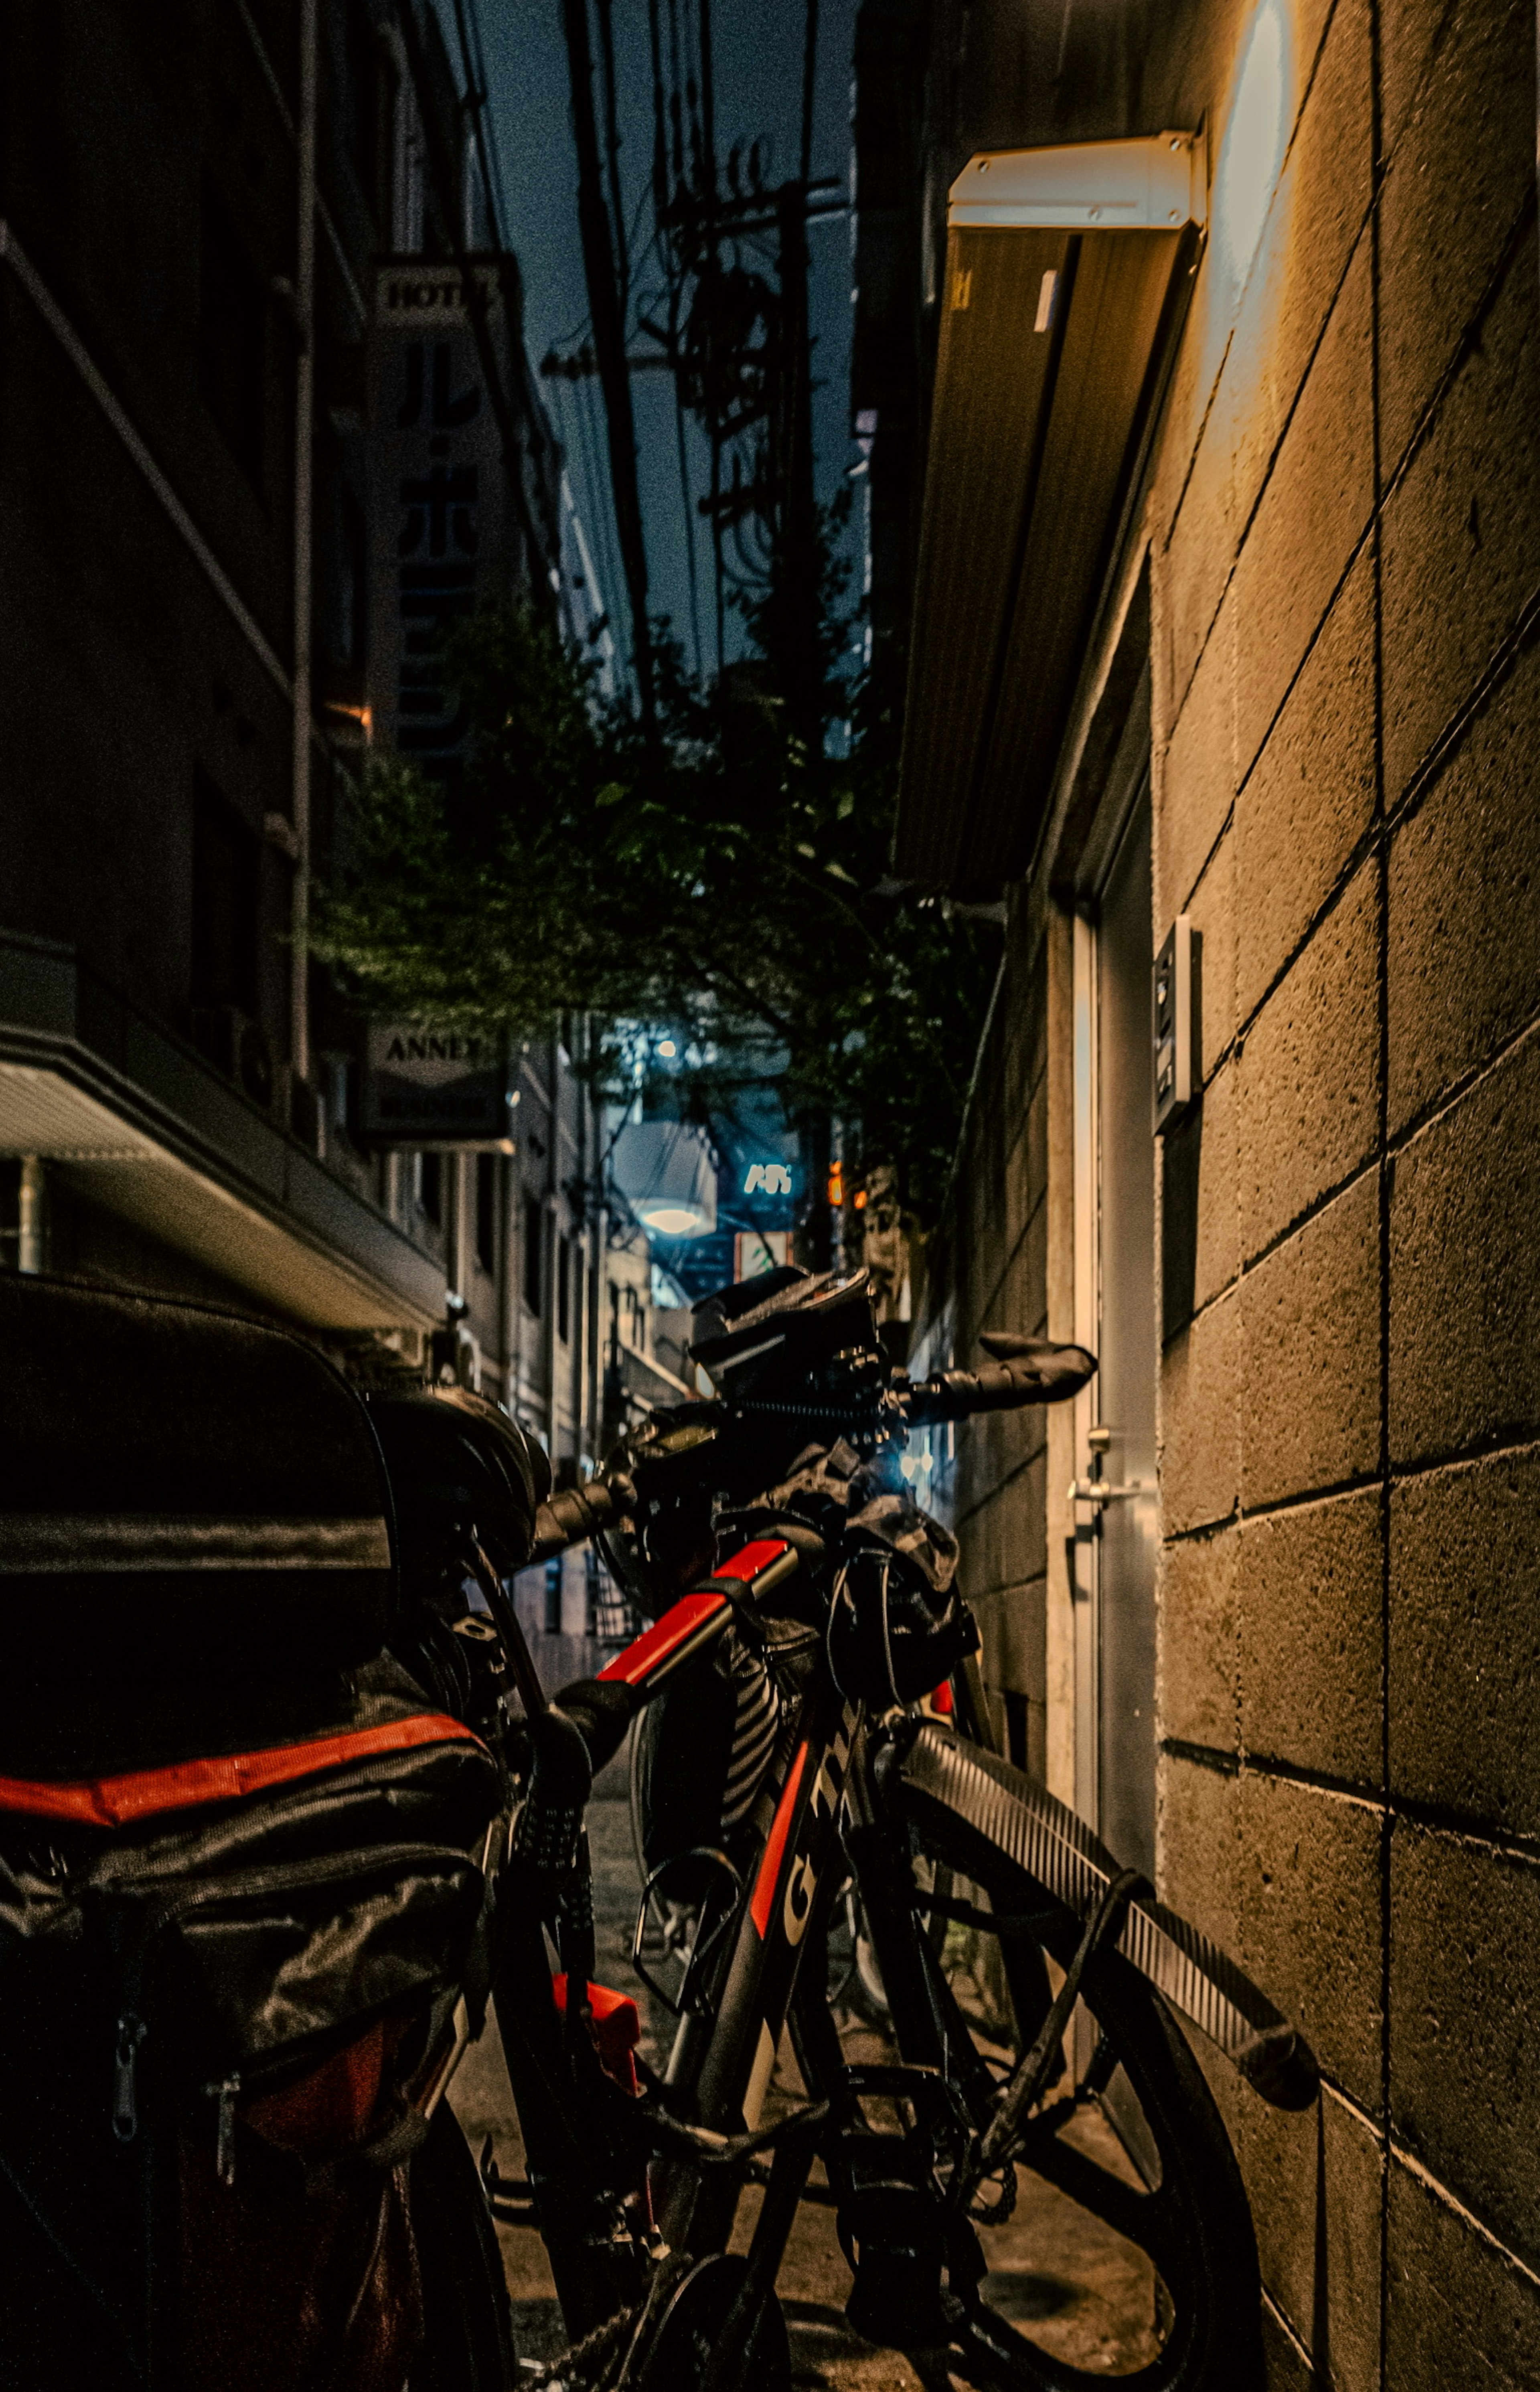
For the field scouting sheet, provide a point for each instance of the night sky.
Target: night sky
(758, 82)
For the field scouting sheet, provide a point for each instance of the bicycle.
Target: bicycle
(805, 1610)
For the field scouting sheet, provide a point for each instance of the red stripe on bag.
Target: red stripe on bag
(225, 1778)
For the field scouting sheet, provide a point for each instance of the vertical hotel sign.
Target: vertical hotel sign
(443, 535)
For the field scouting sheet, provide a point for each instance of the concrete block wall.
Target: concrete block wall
(1345, 577)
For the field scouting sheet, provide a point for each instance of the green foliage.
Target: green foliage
(718, 877)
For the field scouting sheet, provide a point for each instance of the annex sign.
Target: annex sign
(425, 1085)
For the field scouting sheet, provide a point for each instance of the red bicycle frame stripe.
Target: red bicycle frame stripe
(685, 1618)
(775, 1849)
(665, 1636)
(753, 1558)
(222, 1777)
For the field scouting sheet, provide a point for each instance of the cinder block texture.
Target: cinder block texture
(1314, 2180)
(1462, 170)
(1003, 1537)
(1460, 534)
(1464, 2025)
(1312, 1920)
(1200, 1419)
(1309, 1605)
(1311, 796)
(1199, 1846)
(1465, 1270)
(1318, 210)
(1195, 781)
(1200, 549)
(1310, 517)
(1011, 1626)
(1310, 1375)
(1309, 1072)
(1197, 1697)
(1458, 2316)
(1464, 1640)
(1464, 905)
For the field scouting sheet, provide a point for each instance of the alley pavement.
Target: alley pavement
(1076, 2287)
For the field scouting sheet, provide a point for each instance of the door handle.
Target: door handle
(1102, 1490)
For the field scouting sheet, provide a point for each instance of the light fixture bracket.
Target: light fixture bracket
(1157, 183)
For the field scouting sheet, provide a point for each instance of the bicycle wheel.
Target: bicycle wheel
(1125, 2164)
(467, 2340)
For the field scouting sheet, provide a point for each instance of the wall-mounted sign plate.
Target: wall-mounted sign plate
(1175, 1021)
(429, 1085)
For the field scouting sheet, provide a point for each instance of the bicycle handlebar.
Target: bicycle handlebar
(1024, 1370)
(1027, 1370)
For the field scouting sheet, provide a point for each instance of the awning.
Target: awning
(1067, 274)
(285, 1261)
(143, 1128)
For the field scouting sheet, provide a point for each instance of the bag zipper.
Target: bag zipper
(132, 2030)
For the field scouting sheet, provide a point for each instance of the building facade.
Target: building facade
(1263, 1607)
(205, 538)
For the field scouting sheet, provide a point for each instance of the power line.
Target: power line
(606, 306)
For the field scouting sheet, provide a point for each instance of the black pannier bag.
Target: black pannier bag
(243, 1890)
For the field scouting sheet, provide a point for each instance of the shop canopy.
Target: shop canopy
(1067, 274)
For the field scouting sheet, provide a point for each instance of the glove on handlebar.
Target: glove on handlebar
(1030, 1372)
(579, 1512)
(601, 1711)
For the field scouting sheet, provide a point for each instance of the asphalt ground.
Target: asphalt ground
(1070, 2283)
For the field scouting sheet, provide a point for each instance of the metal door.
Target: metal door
(1115, 1511)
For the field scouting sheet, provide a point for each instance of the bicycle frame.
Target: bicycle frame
(756, 1939)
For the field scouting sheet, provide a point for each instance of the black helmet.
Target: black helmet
(459, 1469)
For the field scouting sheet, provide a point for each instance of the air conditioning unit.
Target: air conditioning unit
(237, 1046)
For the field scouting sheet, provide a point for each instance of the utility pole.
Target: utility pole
(609, 343)
(795, 567)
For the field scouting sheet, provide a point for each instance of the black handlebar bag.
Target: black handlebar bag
(243, 1886)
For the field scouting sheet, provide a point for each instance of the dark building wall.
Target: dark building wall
(1343, 531)
(149, 350)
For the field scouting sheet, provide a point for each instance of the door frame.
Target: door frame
(1128, 781)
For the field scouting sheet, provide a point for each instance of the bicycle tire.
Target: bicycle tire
(467, 2340)
(1195, 2225)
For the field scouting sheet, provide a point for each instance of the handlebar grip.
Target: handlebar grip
(579, 1512)
(1035, 1373)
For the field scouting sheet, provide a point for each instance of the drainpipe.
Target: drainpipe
(29, 1247)
(305, 398)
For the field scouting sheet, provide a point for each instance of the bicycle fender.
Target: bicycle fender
(949, 1785)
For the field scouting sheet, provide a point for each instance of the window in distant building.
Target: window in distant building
(232, 335)
(486, 1210)
(369, 98)
(226, 857)
(564, 1290)
(348, 578)
(534, 1236)
(430, 1184)
(553, 1596)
